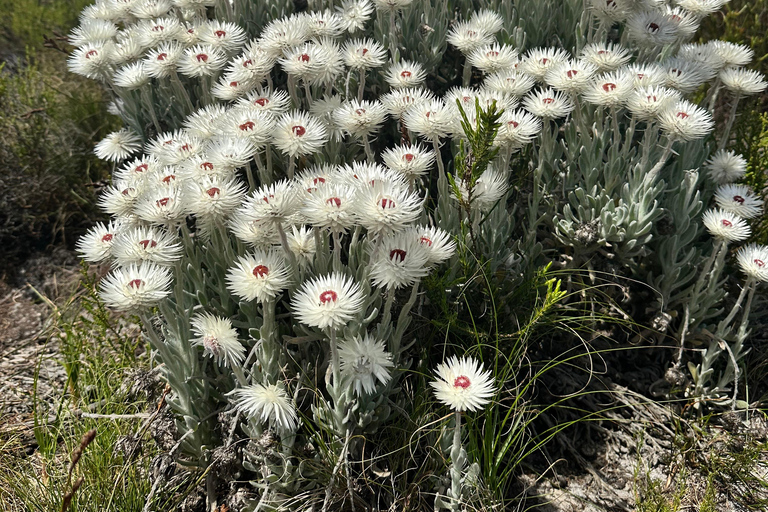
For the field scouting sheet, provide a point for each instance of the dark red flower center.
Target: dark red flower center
(147, 243)
(492, 53)
(738, 199)
(408, 157)
(547, 101)
(169, 178)
(360, 111)
(91, 54)
(299, 130)
(162, 56)
(304, 57)
(141, 168)
(364, 51)
(726, 223)
(260, 271)
(247, 63)
(653, 27)
(571, 73)
(333, 201)
(220, 33)
(135, 283)
(201, 57)
(163, 202)
(405, 74)
(158, 28)
(543, 61)
(208, 166)
(213, 191)
(397, 255)
(462, 381)
(107, 237)
(387, 203)
(248, 125)
(609, 86)
(682, 115)
(513, 124)
(261, 101)
(426, 240)
(127, 191)
(318, 179)
(233, 84)
(759, 262)
(328, 296)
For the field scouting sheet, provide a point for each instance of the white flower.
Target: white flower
(685, 76)
(743, 82)
(726, 226)
(400, 260)
(284, 33)
(136, 286)
(328, 301)
(726, 166)
(218, 339)
(154, 32)
(487, 20)
(739, 199)
(548, 104)
(493, 58)
(468, 36)
(94, 60)
(229, 89)
(703, 55)
(202, 123)
(268, 403)
(304, 62)
(301, 242)
(646, 75)
(405, 74)
(213, 198)
(701, 8)
(609, 89)
(324, 24)
(516, 83)
(354, 14)
(260, 275)
(273, 102)
(685, 121)
(571, 76)
(732, 54)
(276, 201)
(137, 170)
(146, 9)
(360, 118)
(222, 35)
(646, 103)
(92, 31)
(132, 76)
(607, 57)
(330, 206)
(386, 207)
(518, 128)
(410, 161)
(753, 260)
(431, 119)
(95, 245)
(298, 134)
(201, 60)
(229, 153)
(364, 175)
(365, 361)
(253, 125)
(141, 243)
(163, 206)
(462, 385)
(538, 61)
(118, 145)
(610, 11)
(364, 54)
(489, 188)
(438, 243)
(119, 200)
(652, 29)
(254, 232)
(398, 102)
(331, 62)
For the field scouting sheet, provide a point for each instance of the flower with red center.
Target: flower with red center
(218, 339)
(136, 286)
(96, 245)
(739, 199)
(360, 118)
(548, 104)
(518, 128)
(330, 206)
(212, 199)
(297, 133)
(410, 161)
(400, 260)
(260, 275)
(610, 89)
(405, 74)
(152, 244)
(438, 243)
(328, 301)
(493, 58)
(462, 385)
(685, 121)
(201, 60)
(387, 207)
(726, 226)
(752, 259)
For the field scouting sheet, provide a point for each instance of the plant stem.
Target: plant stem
(361, 85)
(724, 324)
(457, 463)
(335, 366)
(368, 151)
(654, 172)
(729, 123)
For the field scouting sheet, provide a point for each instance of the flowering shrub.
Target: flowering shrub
(288, 181)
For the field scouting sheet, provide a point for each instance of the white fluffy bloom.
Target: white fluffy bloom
(154, 32)
(164, 206)
(732, 54)
(493, 58)
(410, 161)
(548, 104)
(275, 102)
(725, 226)
(151, 244)
(489, 188)
(92, 31)
(652, 28)
(131, 76)
(571, 76)
(254, 232)
(365, 360)
(685, 76)
(222, 35)
(438, 243)
(386, 207)
(743, 82)
(213, 198)
(330, 206)
(304, 62)
(94, 60)
(512, 82)
(253, 125)
(276, 201)
(328, 301)
(646, 75)
(120, 199)
(298, 134)
(364, 54)
(467, 36)
(399, 101)
(753, 260)
(136, 286)
(260, 275)
(405, 74)
(607, 57)
(738, 199)
(462, 385)
(609, 89)
(400, 260)
(201, 60)
(487, 20)
(701, 8)
(95, 246)
(354, 14)
(538, 61)
(218, 339)
(266, 404)
(118, 145)
(431, 119)
(301, 242)
(360, 118)
(685, 121)
(726, 166)
(646, 103)
(324, 24)
(518, 128)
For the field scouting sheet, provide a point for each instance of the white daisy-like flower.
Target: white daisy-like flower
(703, 55)
(738, 199)
(360, 118)
(298, 133)
(701, 8)
(229, 152)
(137, 170)
(276, 201)
(610, 11)
(364, 54)
(324, 24)
(400, 260)
(489, 188)
(257, 233)
(151, 244)
(430, 119)
(548, 104)
(726, 226)
(201, 60)
(468, 36)
(331, 61)
(354, 14)
(515, 83)
(571, 76)
(365, 360)
(323, 109)
(213, 198)
(147, 9)
(229, 89)
(118, 145)
(646, 75)
(732, 54)
(93, 60)
(607, 57)
(410, 161)
(201, 166)
(203, 122)
(439, 244)
(164, 206)
(283, 33)
(726, 166)
(609, 89)
(253, 125)
(95, 246)
(131, 76)
(161, 30)
(260, 275)
(685, 121)
(405, 74)
(120, 199)
(386, 207)
(222, 35)
(301, 242)
(685, 76)
(330, 206)
(753, 260)
(275, 102)
(652, 29)
(743, 82)
(493, 58)
(136, 286)
(687, 23)
(538, 61)
(518, 128)
(316, 176)
(364, 175)
(218, 339)
(399, 101)
(488, 20)
(462, 385)
(304, 62)
(267, 404)
(92, 31)
(646, 103)
(328, 301)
